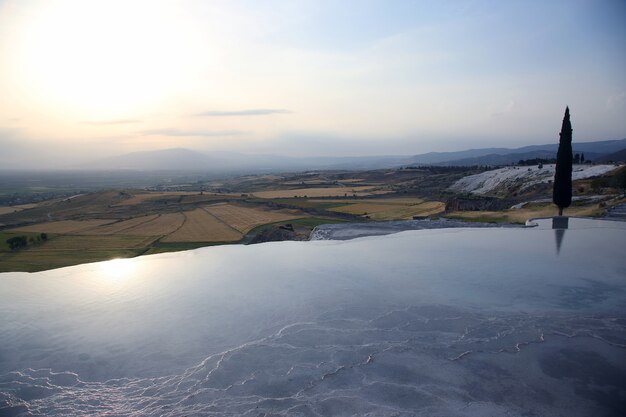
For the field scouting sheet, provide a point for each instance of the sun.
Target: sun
(103, 58)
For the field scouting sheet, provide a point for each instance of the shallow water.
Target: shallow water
(346, 231)
(458, 322)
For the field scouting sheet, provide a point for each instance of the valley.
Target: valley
(187, 212)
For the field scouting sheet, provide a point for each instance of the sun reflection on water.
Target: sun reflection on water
(118, 270)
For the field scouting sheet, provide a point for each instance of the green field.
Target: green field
(4, 246)
(61, 250)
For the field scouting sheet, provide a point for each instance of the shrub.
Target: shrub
(17, 242)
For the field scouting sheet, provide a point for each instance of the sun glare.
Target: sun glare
(117, 270)
(103, 58)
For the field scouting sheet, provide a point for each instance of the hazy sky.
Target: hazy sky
(82, 79)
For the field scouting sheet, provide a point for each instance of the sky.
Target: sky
(86, 79)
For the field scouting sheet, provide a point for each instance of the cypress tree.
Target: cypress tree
(562, 191)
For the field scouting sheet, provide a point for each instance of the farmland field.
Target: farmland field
(162, 224)
(322, 192)
(119, 227)
(87, 243)
(208, 197)
(4, 236)
(365, 208)
(63, 226)
(244, 219)
(521, 215)
(142, 197)
(427, 208)
(307, 182)
(390, 209)
(13, 209)
(101, 221)
(154, 225)
(60, 251)
(201, 226)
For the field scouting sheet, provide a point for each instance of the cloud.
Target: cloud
(179, 132)
(111, 122)
(616, 102)
(248, 112)
(507, 109)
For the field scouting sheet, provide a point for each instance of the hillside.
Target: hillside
(504, 156)
(505, 181)
(619, 156)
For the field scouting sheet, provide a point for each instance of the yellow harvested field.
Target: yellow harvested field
(307, 182)
(399, 200)
(173, 197)
(119, 227)
(7, 210)
(350, 180)
(208, 197)
(163, 224)
(147, 196)
(363, 208)
(201, 226)
(153, 225)
(523, 214)
(244, 218)
(92, 243)
(324, 181)
(383, 200)
(13, 209)
(392, 209)
(322, 192)
(428, 208)
(269, 177)
(63, 226)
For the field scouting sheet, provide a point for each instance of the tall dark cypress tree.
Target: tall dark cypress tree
(562, 191)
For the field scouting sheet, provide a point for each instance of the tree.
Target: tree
(562, 191)
(17, 242)
(582, 158)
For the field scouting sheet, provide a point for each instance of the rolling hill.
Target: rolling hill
(180, 159)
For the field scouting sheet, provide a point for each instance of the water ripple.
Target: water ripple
(379, 366)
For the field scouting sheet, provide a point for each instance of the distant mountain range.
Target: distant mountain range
(613, 157)
(506, 156)
(179, 159)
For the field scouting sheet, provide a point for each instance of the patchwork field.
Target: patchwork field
(323, 192)
(162, 224)
(139, 198)
(63, 226)
(521, 215)
(208, 197)
(201, 226)
(97, 243)
(389, 209)
(245, 219)
(322, 181)
(119, 227)
(70, 250)
(185, 222)
(124, 222)
(14, 209)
